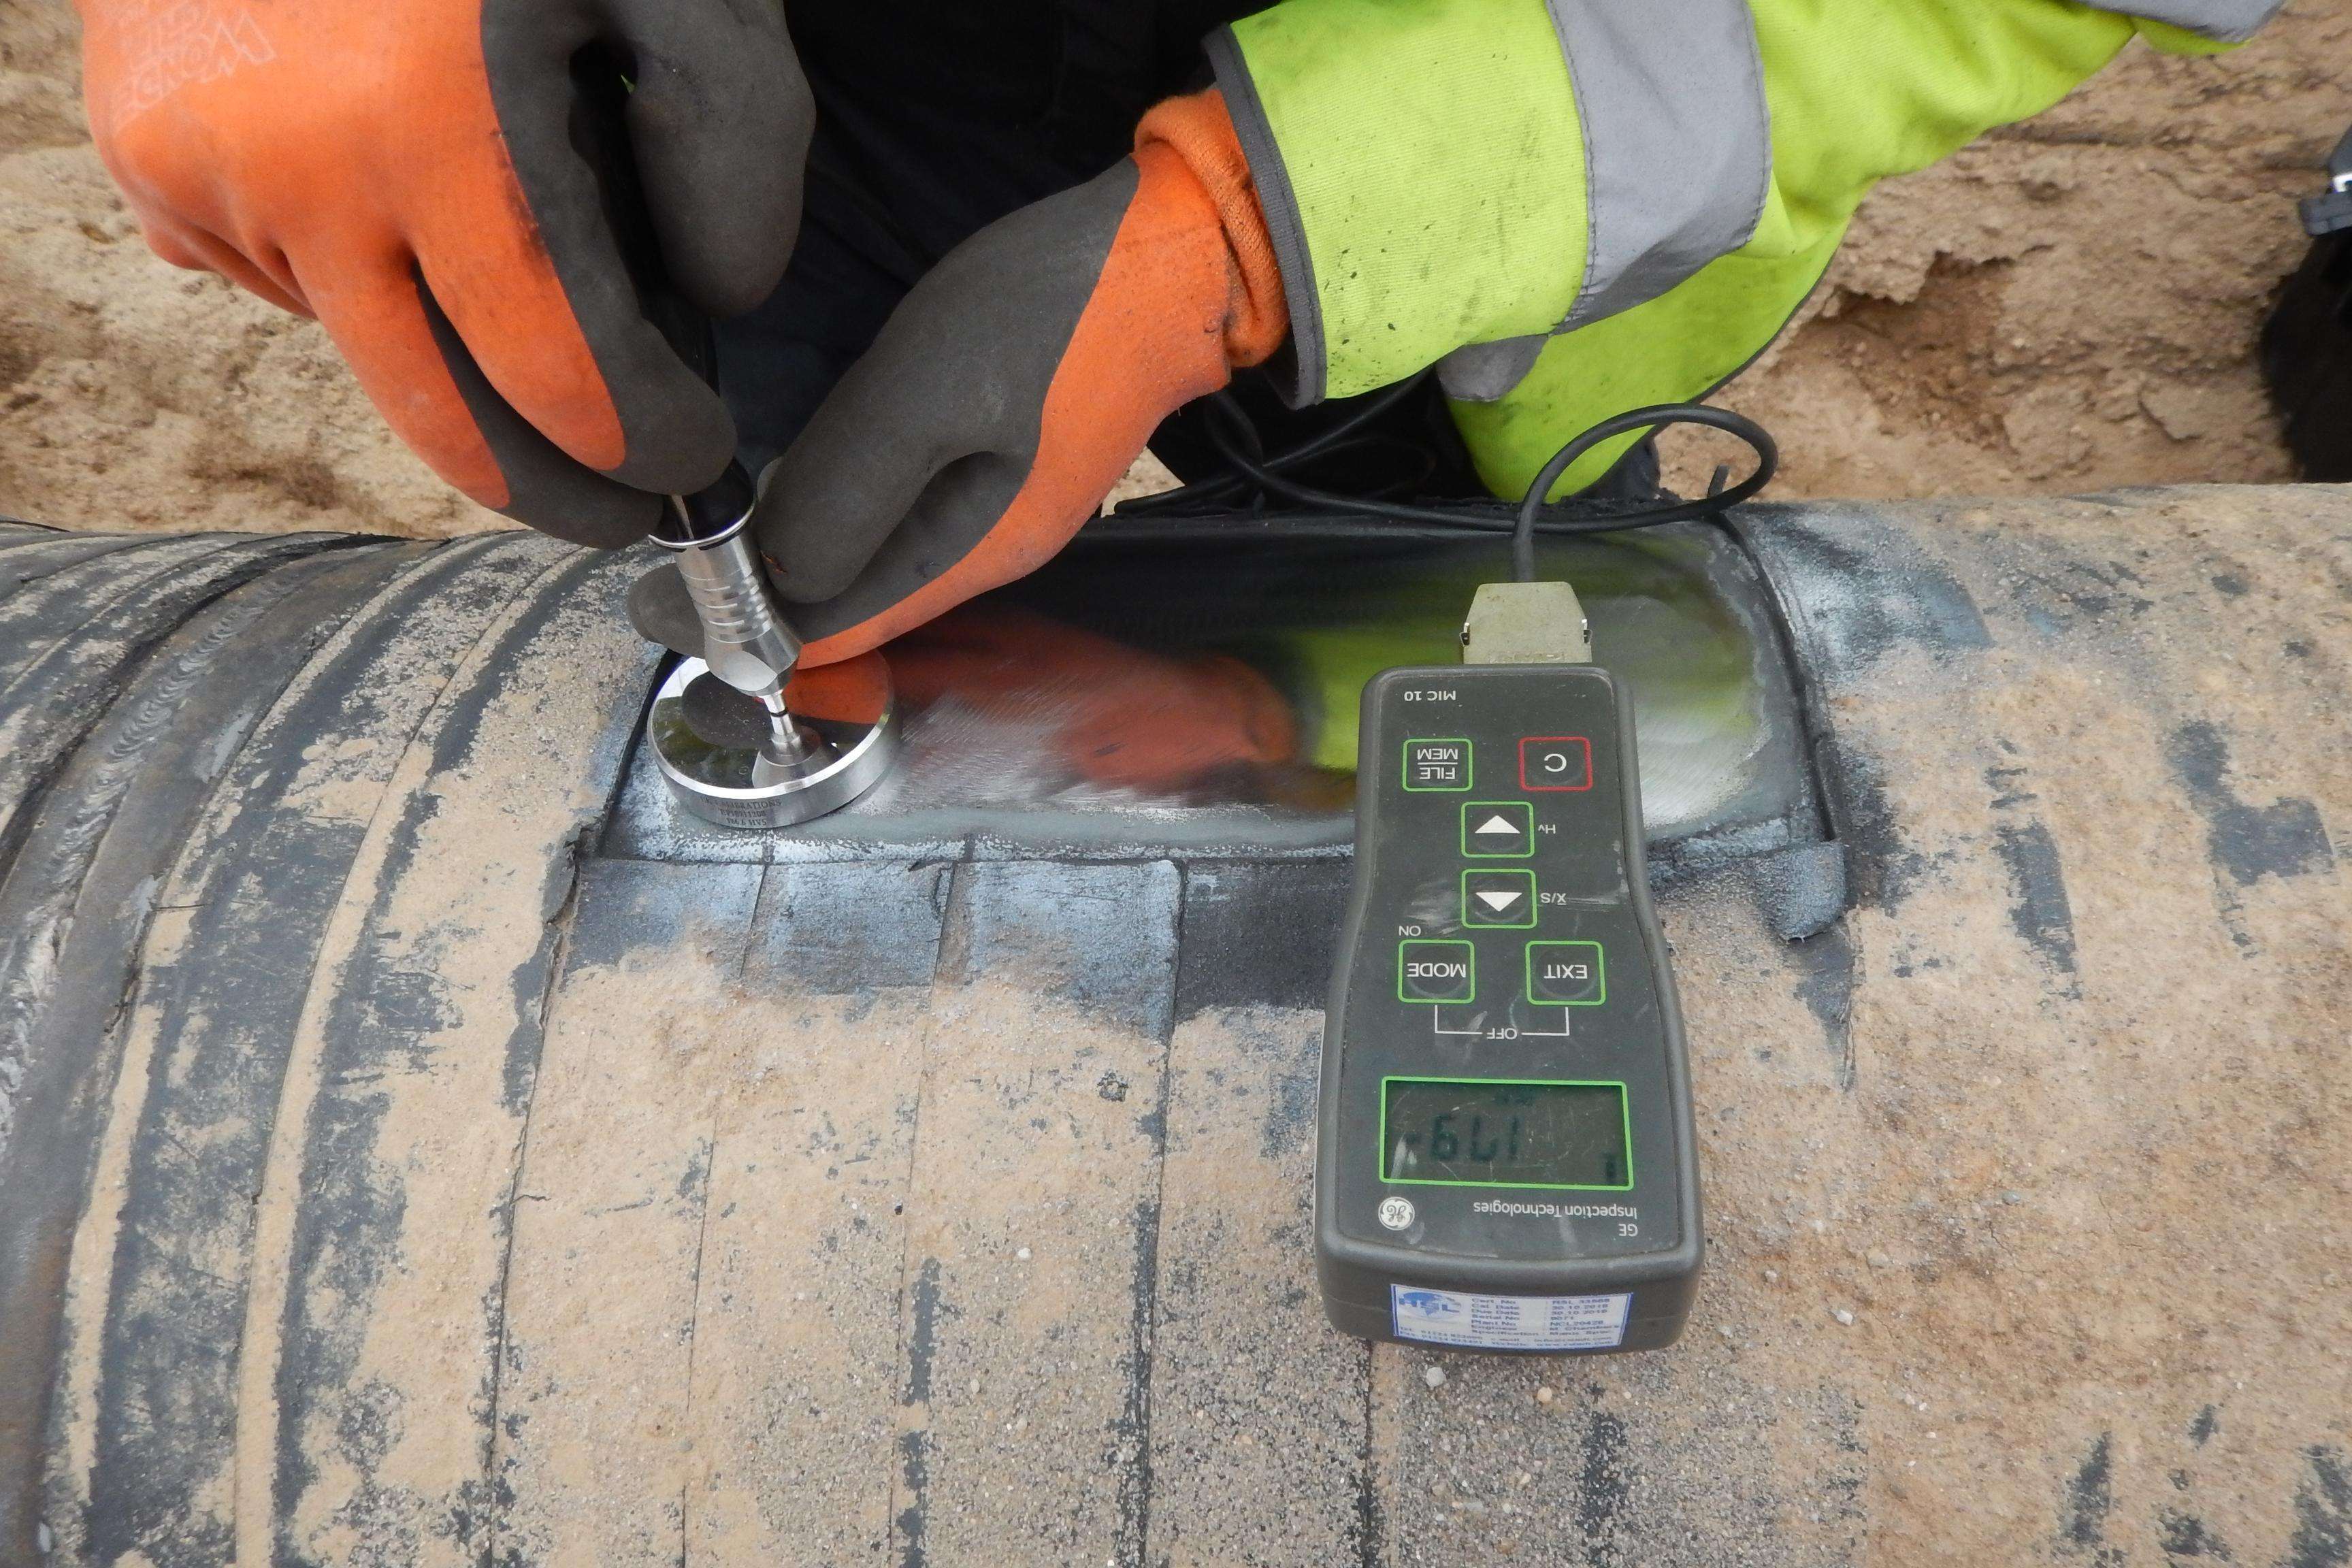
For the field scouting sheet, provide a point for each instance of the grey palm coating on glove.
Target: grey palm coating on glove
(713, 137)
(928, 438)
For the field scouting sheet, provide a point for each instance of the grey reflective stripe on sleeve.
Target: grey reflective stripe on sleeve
(2224, 21)
(1483, 372)
(1678, 161)
(1677, 140)
(1297, 370)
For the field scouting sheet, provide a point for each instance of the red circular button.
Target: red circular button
(1555, 762)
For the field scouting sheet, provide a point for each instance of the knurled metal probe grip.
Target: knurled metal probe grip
(745, 642)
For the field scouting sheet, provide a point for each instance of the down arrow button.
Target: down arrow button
(1499, 898)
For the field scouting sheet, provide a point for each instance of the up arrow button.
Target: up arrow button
(1498, 829)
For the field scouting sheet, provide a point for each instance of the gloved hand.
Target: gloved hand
(1016, 382)
(416, 174)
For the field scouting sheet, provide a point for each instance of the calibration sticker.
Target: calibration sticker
(1508, 1322)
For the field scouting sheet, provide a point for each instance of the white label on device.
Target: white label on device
(1508, 1322)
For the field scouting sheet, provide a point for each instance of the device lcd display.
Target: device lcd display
(1489, 1132)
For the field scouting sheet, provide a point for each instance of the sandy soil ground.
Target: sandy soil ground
(2073, 303)
(2068, 305)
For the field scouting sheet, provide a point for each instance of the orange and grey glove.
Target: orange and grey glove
(1016, 382)
(418, 174)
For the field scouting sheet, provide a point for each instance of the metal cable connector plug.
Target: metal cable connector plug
(1525, 623)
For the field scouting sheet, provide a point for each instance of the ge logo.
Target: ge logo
(1396, 1213)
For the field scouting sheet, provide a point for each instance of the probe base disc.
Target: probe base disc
(728, 786)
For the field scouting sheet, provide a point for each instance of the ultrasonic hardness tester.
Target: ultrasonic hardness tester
(1504, 1157)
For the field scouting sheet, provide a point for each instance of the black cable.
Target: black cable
(1322, 444)
(1657, 416)
(1235, 438)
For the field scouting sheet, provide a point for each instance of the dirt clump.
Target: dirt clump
(2069, 304)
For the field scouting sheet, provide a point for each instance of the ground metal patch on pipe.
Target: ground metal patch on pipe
(1159, 693)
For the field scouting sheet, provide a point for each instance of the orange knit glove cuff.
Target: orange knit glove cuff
(1197, 128)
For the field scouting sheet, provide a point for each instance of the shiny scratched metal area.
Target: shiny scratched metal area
(1190, 689)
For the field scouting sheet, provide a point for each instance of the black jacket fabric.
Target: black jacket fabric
(934, 118)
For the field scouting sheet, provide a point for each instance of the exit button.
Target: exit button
(1566, 974)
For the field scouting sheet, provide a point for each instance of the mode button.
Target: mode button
(1436, 971)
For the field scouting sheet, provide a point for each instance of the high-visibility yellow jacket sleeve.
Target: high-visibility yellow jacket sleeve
(1479, 184)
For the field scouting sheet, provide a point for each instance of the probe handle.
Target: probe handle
(744, 640)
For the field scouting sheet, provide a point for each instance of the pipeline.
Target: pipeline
(420, 1143)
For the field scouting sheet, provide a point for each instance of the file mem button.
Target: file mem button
(1436, 764)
